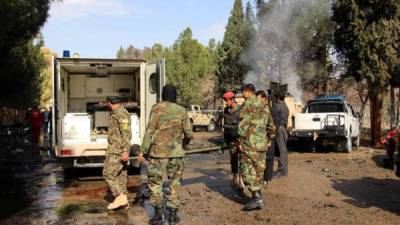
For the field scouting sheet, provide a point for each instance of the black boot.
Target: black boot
(256, 202)
(157, 219)
(173, 216)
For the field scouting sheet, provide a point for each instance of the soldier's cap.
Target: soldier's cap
(228, 95)
(114, 99)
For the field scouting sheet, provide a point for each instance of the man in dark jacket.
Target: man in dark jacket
(280, 114)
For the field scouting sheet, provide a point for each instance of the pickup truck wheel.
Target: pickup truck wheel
(211, 126)
(191, 124)
(348, 144)
(396, 168)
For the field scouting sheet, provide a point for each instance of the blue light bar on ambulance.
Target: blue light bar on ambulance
(331, 97)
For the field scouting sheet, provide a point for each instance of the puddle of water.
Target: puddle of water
(49, 191)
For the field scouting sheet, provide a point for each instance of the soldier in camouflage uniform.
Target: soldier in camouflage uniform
(168, 130)
(253, 144)
(117, 154)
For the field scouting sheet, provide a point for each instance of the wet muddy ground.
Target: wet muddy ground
(322, 188)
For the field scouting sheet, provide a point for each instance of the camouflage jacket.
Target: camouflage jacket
(167, 127)
(119, 132)
(254, 118)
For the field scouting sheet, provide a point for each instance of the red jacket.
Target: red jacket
(35, 118)
(388, 136)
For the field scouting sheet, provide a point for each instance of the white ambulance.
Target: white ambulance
(80, 113)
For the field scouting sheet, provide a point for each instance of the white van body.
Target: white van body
(80, 113)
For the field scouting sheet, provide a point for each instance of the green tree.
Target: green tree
(250, 20)
(367, 38)
(314, 29)
(212, 45)
(21, 85)
(231, 70)
(45, 80)
(20, 20)
(260, 6)
(121, 53)
(188, 64)
(130, 53)
(156, 52)
(21, 61)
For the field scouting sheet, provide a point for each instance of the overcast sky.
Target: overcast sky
(97, 28)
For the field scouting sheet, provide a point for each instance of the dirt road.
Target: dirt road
(322, 188)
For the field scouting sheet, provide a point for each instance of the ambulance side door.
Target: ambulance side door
(155, 81)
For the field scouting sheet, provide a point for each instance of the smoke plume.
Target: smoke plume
(273, 49)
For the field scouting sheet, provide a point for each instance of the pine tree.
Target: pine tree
(313, 27)
(260, 6)
(130, 52)
(367, 38)
(250, 23)
(121, 53)
(230, 70)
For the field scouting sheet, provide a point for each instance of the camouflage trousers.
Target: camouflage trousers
(252, 167)
(115, 173)
(174, 168)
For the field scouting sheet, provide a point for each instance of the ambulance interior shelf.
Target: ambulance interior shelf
(92, 107)
(101, 114)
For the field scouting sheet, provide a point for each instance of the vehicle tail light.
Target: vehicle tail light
(66, 152)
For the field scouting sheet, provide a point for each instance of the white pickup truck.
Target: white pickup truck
(199, 118)
(327, 119)
(80, 114)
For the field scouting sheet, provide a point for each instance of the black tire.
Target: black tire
(396, 168)
(69, 170)
(191, 124)
(211, 126)
(319, 147)
(70, 173)
(387, 163)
